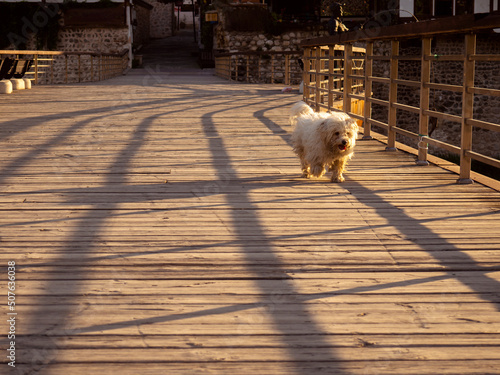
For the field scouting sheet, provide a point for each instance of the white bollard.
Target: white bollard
(17, 84)
(5, 87)
(27, 83)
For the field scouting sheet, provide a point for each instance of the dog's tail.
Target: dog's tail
(299, 109)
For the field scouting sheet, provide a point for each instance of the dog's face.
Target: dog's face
(339, 133)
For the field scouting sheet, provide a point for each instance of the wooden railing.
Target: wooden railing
(50, 67)
(324, 80)
(326, 74)
(260, 67)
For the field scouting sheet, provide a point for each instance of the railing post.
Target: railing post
(317, 68)
(467, 110)
(368, 91)
(36, 69)
(51, 69)
(425, 78)
(347, 78)
(248, 68)
(287, 70)
(331, 53)
(79, 69)
(66, 68)
(236, 68)
(272, 68)
(306, 77)
(260, 67)
(393, 96)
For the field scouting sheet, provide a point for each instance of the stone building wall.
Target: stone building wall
(95, 40)
(72, 68)
(161, 19)
(103, 40)
(260, 42)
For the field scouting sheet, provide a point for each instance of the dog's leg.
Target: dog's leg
(305, 169)
(337, 168)
(299, 150)
(317, 170)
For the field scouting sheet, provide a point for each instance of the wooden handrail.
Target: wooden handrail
(319, 84)
(109, 64)
(451, 25)
(259, 66)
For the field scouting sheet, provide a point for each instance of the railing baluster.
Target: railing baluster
(367, 111)
(306, 76)
(425, 78)
(36, 69)
(331, 53)
(393, 96)
(467, 109)
(318, 78)
(347, 89)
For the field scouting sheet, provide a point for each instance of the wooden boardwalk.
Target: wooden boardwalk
(159, 225)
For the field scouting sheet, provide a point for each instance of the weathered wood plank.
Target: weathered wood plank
(158, 234)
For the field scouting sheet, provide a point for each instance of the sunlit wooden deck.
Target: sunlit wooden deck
(159, 225)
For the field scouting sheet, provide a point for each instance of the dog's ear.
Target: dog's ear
(323, 131)
(353, 124)
(323, 128)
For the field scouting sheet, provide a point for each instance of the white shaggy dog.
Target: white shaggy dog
(322, 140)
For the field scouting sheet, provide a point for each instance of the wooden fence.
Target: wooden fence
(51, 67)
(335, 68)
(260, 67)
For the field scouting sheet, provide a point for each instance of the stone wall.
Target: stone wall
(161, 19)
(95, 40)
(102, 40)
(260, 42)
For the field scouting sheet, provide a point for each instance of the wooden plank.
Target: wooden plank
(239, 355)
(176, 236)
(410, 367)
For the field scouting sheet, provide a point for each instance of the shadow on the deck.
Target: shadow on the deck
(481, 284)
